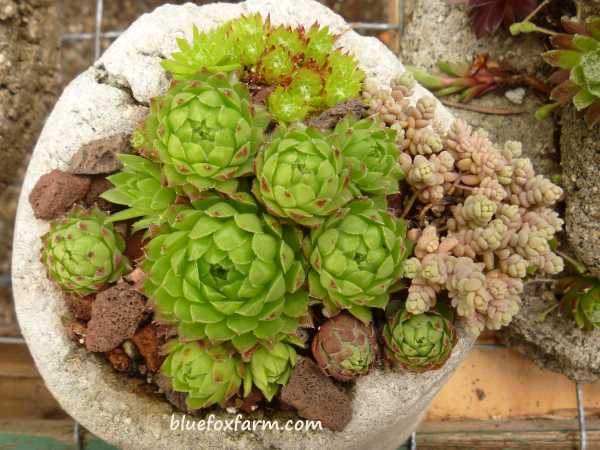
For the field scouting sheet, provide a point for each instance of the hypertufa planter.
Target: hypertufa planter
(112, 98)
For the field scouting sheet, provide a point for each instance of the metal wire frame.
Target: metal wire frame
(98, 35)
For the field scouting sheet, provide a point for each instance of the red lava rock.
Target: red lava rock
(165, 331)
(99, 156)
(316, 397)
(80, 307)
(116, 314)
(134, 249)
(250, 403)
(118, 359)
(98, 186)
(55, 193)
(146, 340)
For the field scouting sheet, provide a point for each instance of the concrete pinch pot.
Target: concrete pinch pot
(112, 97)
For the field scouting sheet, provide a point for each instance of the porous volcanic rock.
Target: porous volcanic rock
(112, 97)
(116, 314)
(55, 193)
(80, 307)
(316, 397)
(99, 157)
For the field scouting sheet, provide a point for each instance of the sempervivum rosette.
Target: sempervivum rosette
(208, 375)
(356, 257)
(138, 186)
(271, 367)
(419, 342)
(82, 252)
(205, 132)
(302, 176)
(371, 149)
(227, 272)
(344, 347)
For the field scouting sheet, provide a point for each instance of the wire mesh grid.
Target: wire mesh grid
(98, 35)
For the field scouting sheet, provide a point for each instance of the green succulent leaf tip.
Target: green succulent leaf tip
(271, 367)
(419, 342)
(208, 375)
(138, 186)
(356, 257)
(226, 272)
(344, 347)
(82, 252)
(302, 176)
(307, 73)
(371, 150)
(205, 132)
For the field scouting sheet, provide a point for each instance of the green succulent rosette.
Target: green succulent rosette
(212, 51)
(205, 132)
(419, 342)
(209, 375)
(356, 258)
(371, 149)
(301, 176)
(271, 367)
(138, 186)
(82, 252)
(225, 271)
(344, 347)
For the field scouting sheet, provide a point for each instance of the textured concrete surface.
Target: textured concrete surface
(109, 98)
(439, 31)
(554, 343)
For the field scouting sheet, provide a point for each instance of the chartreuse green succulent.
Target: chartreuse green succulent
(225, 271)
(205, 133)
(302, 176)
(356, 258)
(306, 71)
(138, 186)
(208, 375)
(271, 367)
(419, 342)
(82, 252)
(371, 149)
(344, 347)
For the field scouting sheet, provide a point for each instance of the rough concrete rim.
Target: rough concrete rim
(111, 97)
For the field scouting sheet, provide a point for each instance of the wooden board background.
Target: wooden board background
(496, 399)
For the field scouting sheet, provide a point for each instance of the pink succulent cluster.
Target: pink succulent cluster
(488, 222)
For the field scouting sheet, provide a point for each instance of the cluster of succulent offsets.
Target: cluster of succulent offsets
(484, 221)
(301, 67)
